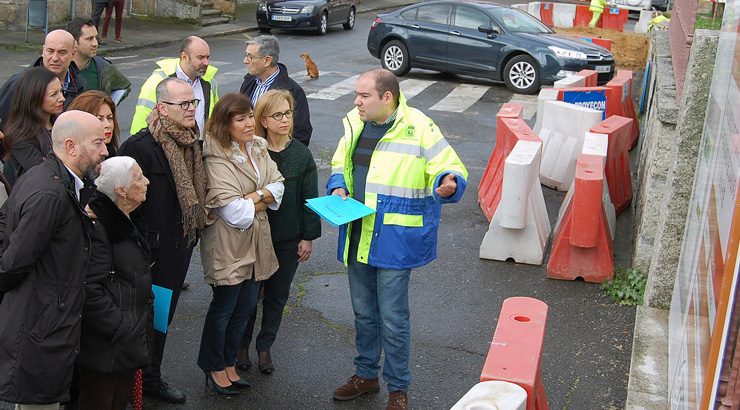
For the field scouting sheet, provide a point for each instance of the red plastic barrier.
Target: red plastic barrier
(629, 106)
(583, 16)
(618, 175)
(591, 77)
(583, 246)
(614, 18)
(546, 14)
(604, 42)
(515, 354)
(613, 106)
(507, 135)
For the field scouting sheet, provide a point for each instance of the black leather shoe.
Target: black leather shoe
(265, 363)
(227, 391)
(240, 384)
(164, 392)
(242, 360)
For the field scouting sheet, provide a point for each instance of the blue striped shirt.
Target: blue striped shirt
(263, 86)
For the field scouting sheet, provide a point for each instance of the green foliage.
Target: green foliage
(627, 286)
(705, 21)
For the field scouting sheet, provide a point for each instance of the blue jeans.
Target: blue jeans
(225, 323)
(380, 300)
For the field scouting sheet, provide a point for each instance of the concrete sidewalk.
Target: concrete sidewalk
(143, 32)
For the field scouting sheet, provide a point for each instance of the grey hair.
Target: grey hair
(115, 172)
(162, 91)
(267, 46)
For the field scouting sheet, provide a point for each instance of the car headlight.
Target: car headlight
(565, 53)
(262, 6)
(307, 9)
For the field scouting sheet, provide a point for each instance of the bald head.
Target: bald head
(78, 138)
(194, 56)
(58, 52)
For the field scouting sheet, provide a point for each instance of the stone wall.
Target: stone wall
(667, 163)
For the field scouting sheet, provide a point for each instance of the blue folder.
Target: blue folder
(162, 300)
(337, 211)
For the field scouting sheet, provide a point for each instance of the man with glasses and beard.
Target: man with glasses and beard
(169, 154)
(46, 250)
(193, 68)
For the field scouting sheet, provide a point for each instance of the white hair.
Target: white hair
(114, 173)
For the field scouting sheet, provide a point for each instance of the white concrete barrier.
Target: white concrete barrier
(644, 22)
(562, 131)
(570, 82)
(594, 144)
(534, 9)
(546, 94)
(520, 226)
(563, 15)
(521, 7)
(493, 395)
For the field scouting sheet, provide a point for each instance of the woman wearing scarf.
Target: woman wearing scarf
(237, 251)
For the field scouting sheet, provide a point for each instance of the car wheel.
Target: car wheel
(323, 24)
(350, 24)
(395, 58)
(522, 75)
(264, 30)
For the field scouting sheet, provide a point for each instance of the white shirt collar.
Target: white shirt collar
(78, 182)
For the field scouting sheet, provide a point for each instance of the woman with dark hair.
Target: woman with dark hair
(293, 227)
(236, 248)
(36, 103)
(102, 106)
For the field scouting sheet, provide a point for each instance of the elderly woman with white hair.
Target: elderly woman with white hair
(117, 315)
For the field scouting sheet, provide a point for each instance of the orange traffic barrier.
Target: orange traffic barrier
(614, 18)
(583, 16)
(604, 42)
(515, 354)
(618, 175)
(629, 105)
(583, 246)
(489, 188)
(591, 77)
(546, 14)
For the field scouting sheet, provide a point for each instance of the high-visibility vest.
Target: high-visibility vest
(148, 95)
(407, 165)
(597, 6)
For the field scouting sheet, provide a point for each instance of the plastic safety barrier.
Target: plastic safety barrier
(563, 15)
(623, 79)
(582, 245)
(563, 128)
(614, 18)
(617, 130)
(520, 227)
(583, 16)
(570, 81)
(592, 77)
(493, 395)
(515, 354)
(546, 9)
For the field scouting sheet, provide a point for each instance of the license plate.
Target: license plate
(280, 18)
(603, 68)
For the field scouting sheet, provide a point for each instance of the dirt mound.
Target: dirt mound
(629, 49)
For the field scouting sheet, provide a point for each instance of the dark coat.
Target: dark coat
(75, 87)
(302, 128)
(25, 155)
(110, 78)
(117, 314)
(46, 249)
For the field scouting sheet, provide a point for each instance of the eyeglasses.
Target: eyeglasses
(251, 57)
(184, 104)
(278, 116)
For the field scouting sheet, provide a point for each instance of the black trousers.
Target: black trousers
(104, 391)
(169, 271)
(277, 291)
(97, 11)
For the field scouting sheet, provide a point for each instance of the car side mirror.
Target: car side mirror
(492, 32)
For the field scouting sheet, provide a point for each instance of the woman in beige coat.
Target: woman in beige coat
(236, 248)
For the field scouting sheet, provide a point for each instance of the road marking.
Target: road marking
(336, 90)
(121, 57)
(528, 101)
(461, 98)
(412, 87)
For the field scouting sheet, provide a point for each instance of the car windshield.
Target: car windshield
(514, 21)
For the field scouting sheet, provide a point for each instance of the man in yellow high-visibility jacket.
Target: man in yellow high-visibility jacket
(394, 159)
(192, 67)
(596, 7)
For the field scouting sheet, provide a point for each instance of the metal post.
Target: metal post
(73, 12)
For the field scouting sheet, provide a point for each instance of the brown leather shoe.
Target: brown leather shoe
(397, 400)
(355, 387)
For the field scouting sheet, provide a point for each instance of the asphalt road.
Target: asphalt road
(455, 301)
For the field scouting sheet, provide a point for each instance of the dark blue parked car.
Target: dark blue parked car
(315, 15)
(483, 40)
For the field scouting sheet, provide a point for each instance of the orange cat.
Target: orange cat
(312, 70)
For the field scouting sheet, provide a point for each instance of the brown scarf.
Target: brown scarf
(183, 153)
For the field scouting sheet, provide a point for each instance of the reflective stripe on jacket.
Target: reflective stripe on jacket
(407, 165)
(148, 95)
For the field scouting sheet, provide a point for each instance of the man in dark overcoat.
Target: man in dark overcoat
(46, 249)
